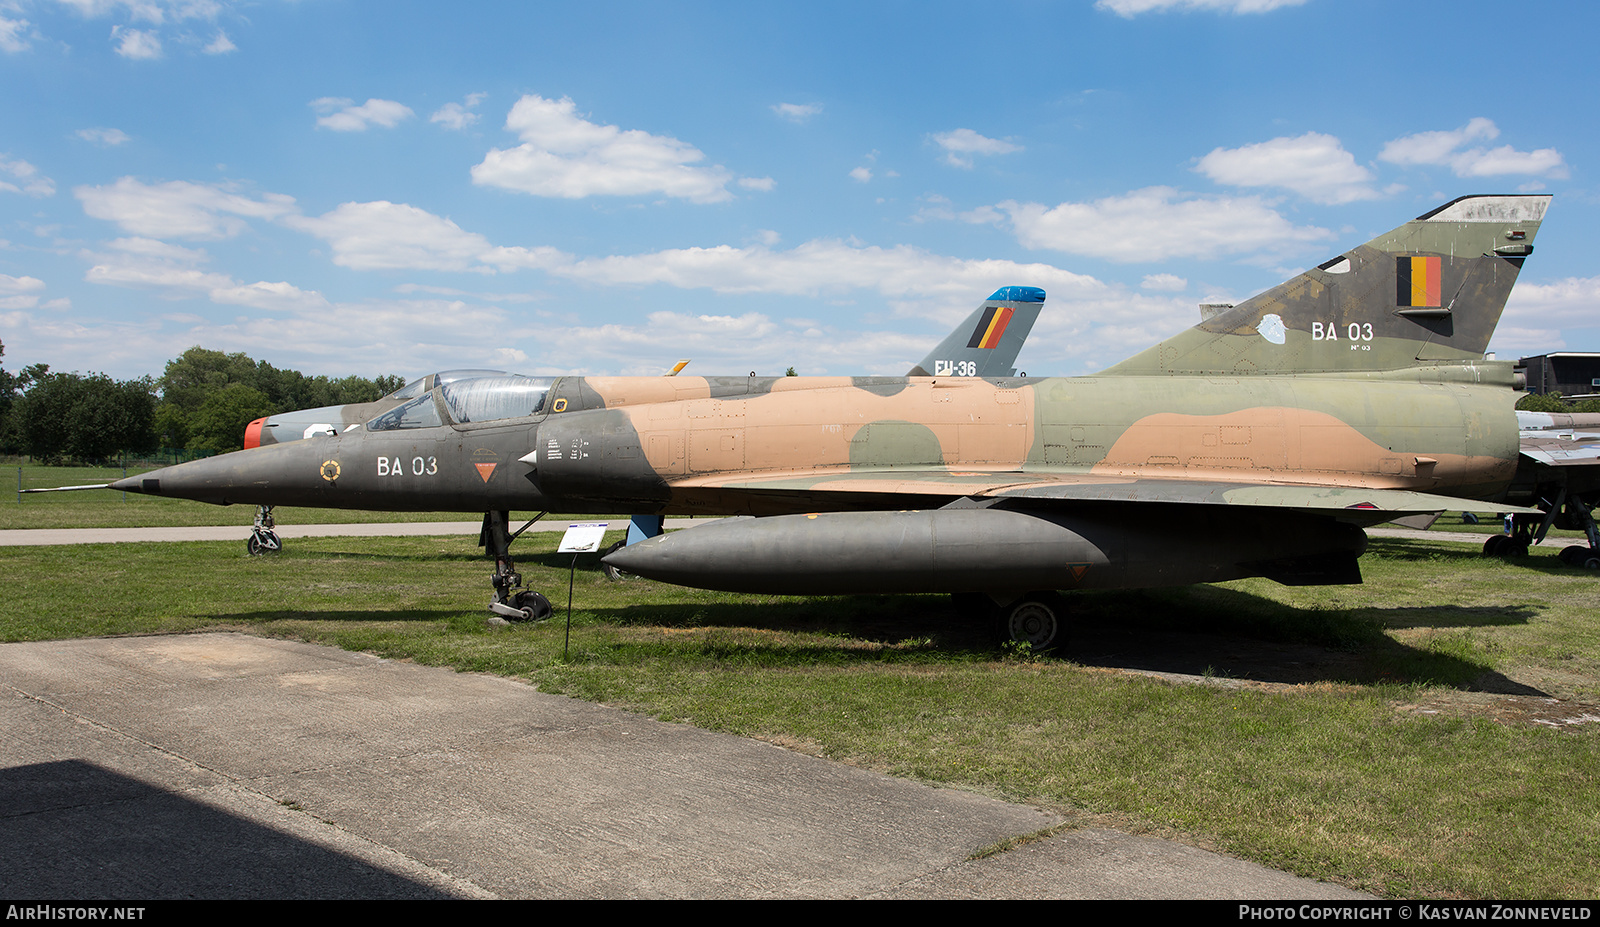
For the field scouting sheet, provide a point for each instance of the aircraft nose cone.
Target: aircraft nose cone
(148, 483)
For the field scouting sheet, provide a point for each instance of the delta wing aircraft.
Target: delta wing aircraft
(985, 344)
(1258, 443)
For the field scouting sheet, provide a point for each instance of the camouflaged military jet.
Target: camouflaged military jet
(1261, 442)
(985, 344)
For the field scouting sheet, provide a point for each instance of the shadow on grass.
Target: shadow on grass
(1198, 631)
(1541, 559)
(853, 620)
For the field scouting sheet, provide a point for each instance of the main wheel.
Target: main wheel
(262, 542)
(1037, 619)
(1503, 545)
(1581, 557)
(535, 607)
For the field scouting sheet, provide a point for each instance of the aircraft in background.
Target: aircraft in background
(1258, 443)
(985, 344)
(1558, 471)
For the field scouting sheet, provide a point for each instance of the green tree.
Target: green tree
(220, 421)
(1543, 402)
(197, 376)
(197, 373)
(85, 417)
(10, 385)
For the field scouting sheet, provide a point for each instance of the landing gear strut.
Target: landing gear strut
(511, 601)
(1577, 515)
(263, 540)
(1568, 512)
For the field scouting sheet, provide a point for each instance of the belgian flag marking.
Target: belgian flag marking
(989, 328)
(1417, 281)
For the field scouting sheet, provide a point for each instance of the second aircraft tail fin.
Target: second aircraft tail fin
(986, 343)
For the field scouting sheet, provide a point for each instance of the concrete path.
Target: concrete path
(221, 765)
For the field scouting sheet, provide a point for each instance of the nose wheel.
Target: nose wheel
(511, 602)
(263, 540)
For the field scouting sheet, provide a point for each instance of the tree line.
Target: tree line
(202, 401)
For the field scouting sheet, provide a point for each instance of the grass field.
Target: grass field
(1375, 735)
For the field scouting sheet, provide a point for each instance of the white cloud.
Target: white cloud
(1166, 283)
(862, 174)
(566, 156)
(1569, 301)
(763, 184)
(110, 138)
(1157, 223)
(1131, 8)
(142, 263)
(159, 250)
(394, 236)
(1088, 324)
(1536, 315)
(1313, 165)
(19, 292)
(271, 297)
(961, 144)
(32, 182)
(179, 209)
(305, 331)
(818, 267)
(220, 45)
(10, 284)
(344, 116)
(155, 12)
(13, 35)
(458, 115)
(797, 112)
(1445, 148)
(136, 44)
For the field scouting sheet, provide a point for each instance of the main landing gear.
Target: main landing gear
(1568, 513)
(263, 540)
(511, 602)
(1038, 619)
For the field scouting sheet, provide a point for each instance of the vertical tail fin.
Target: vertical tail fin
(986, 343)
(1429, 292)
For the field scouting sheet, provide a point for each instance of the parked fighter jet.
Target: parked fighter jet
(1558, 471)
(985, 344)
(1258, 443)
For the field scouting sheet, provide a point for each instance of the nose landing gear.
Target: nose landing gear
(511, 602)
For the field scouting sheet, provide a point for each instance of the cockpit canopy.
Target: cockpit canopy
(466, 397)
(421, 385)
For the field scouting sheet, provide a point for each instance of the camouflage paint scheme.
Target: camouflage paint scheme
(1259, 442)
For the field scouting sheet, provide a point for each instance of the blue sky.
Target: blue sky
(353, 187)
